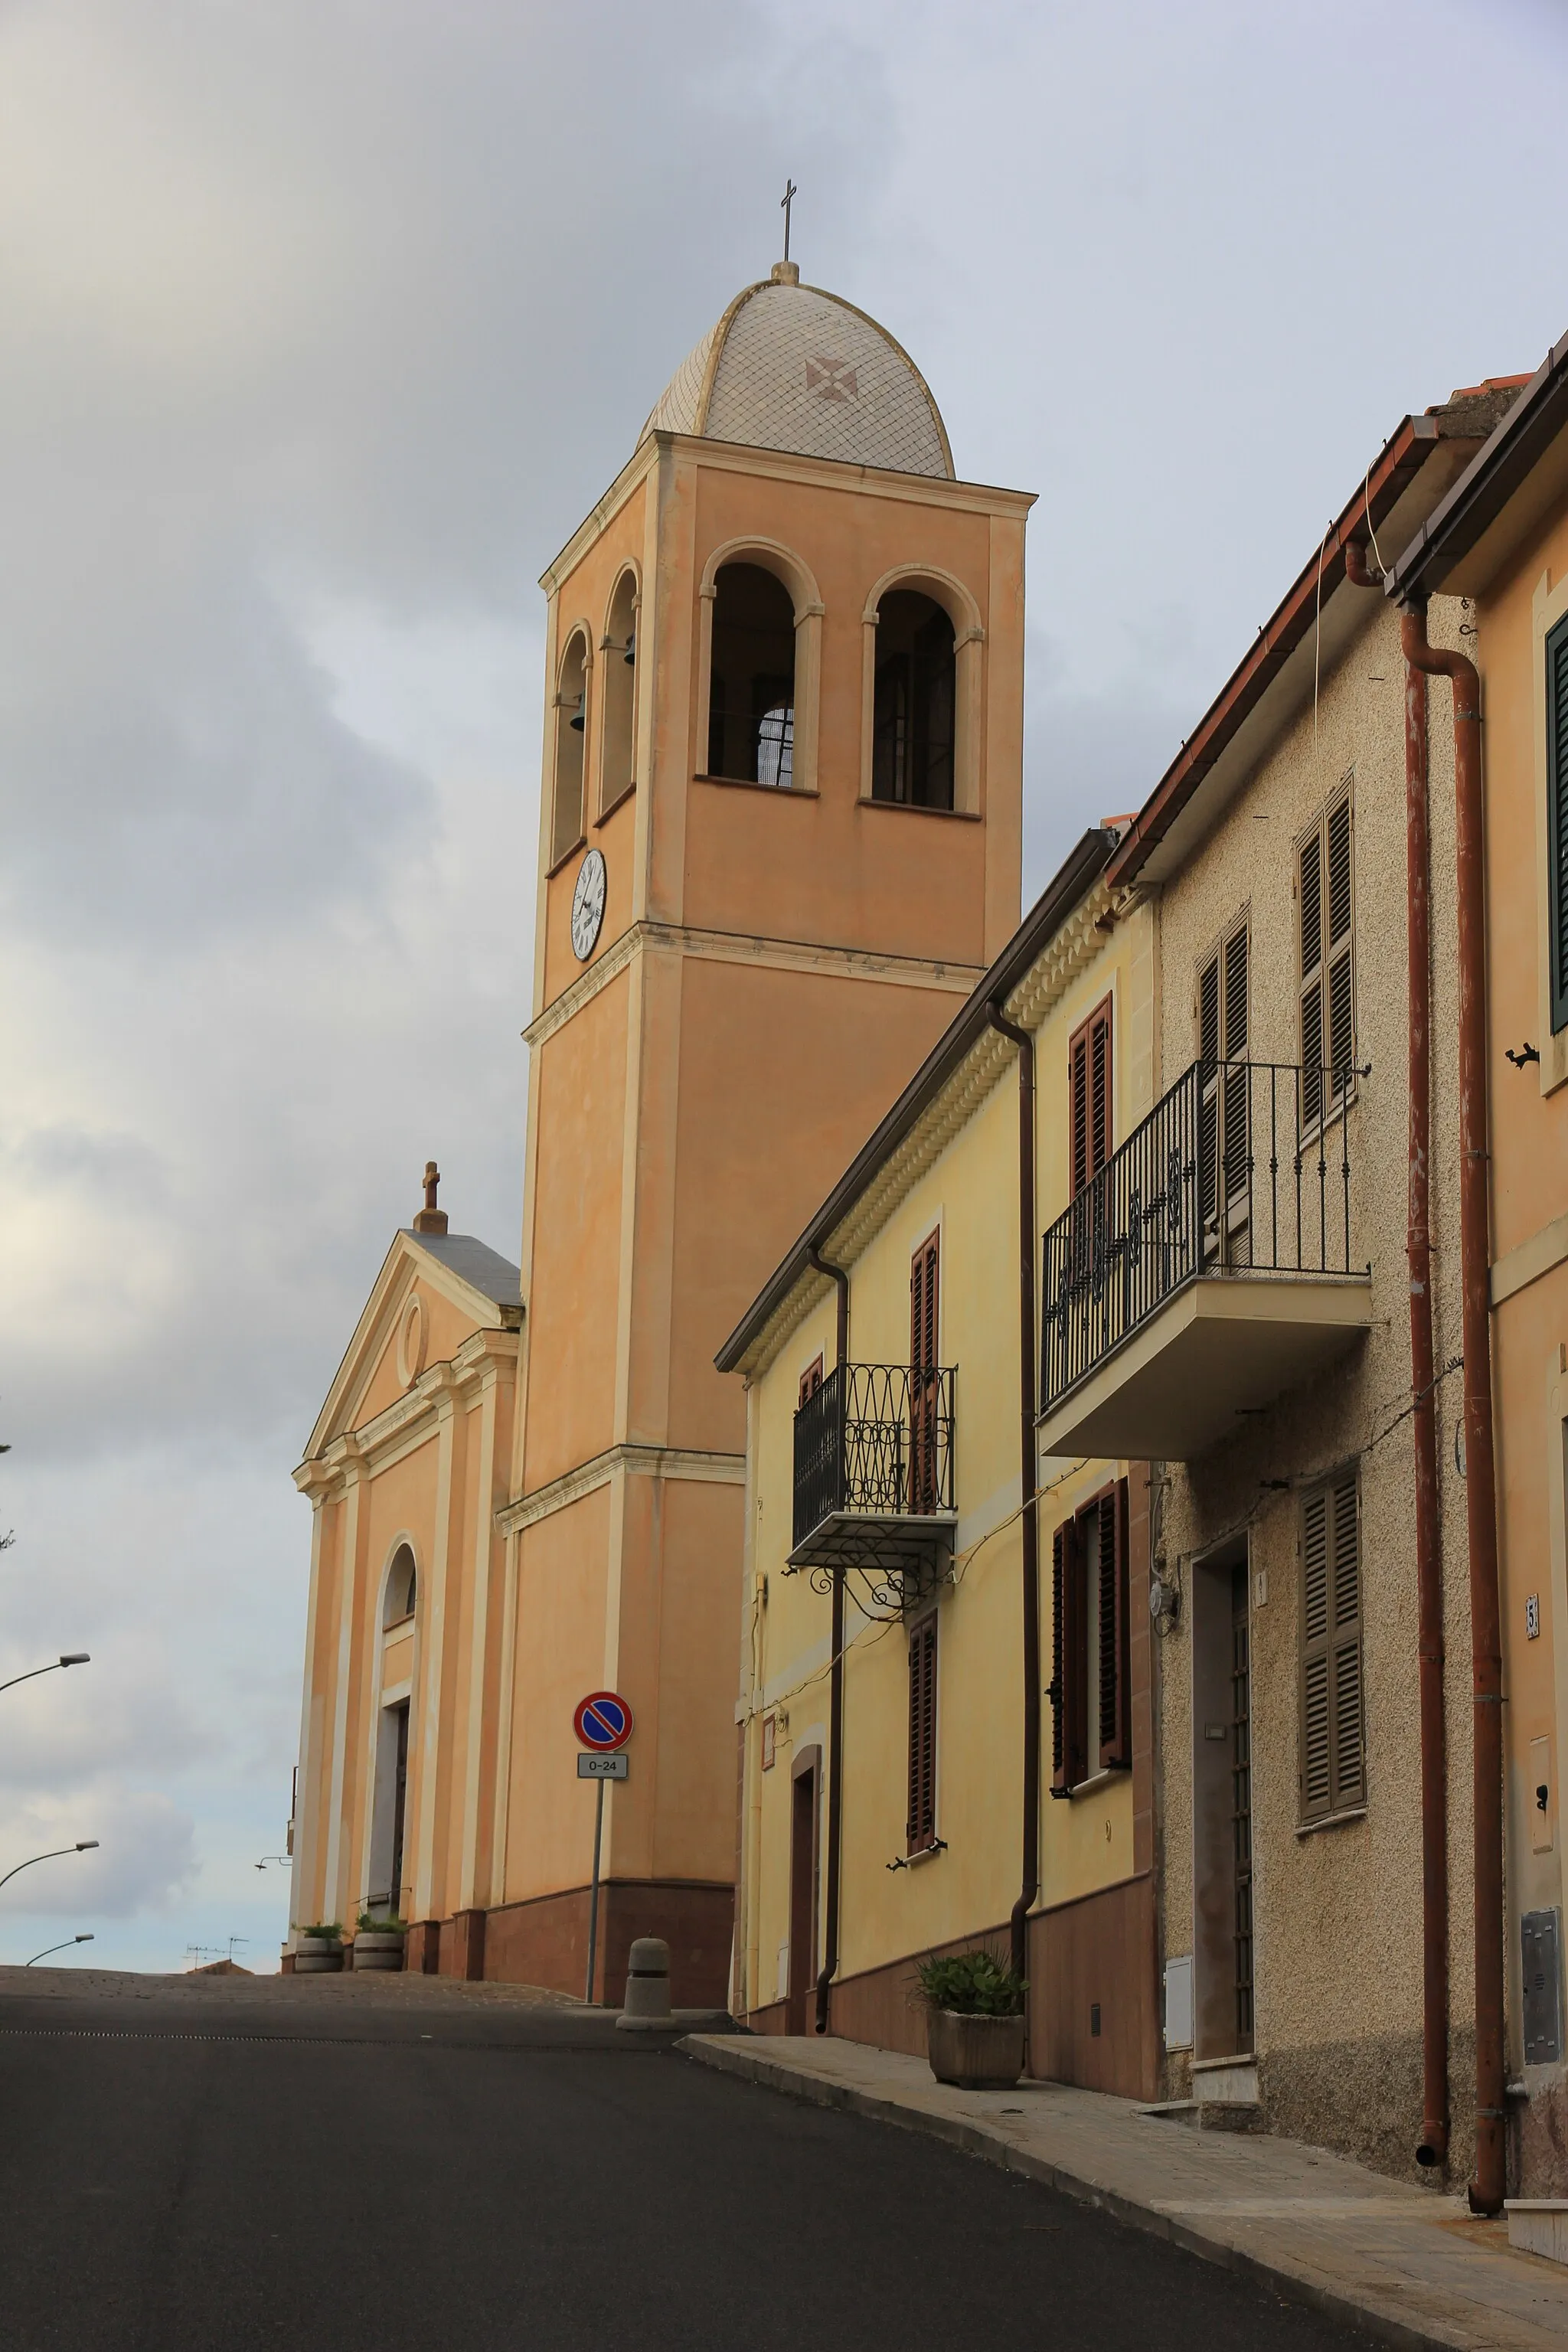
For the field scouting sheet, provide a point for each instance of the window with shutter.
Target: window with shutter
(1223, 1141)
(1557, 820)
(1332, 1723)
(1088, 1109)
(920, 1828)
(1325, 900)
(810, 1382)
(1069, 1661)
(925, 1398)
(1115, 1691)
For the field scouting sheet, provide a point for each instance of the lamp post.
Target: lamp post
(83, 1845)
(57, 1947)
(69, 1658)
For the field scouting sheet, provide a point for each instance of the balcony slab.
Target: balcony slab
(1225, 1346)
(888, 1543)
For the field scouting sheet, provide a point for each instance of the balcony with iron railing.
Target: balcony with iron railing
(873, 1473)
(1210, 1265)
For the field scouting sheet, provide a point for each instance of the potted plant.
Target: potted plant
(378, 1944)
(974, 2017)
(320, 1949)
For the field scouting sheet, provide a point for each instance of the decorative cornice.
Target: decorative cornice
(1072, 949)
(745, 948)
(363, 1450)
(630, 1461)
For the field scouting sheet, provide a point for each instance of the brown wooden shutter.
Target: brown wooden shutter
(1332, 1729)
(924, 1305)
(1089, 1096)
(1069, 1662)
(1326, 900)
(921, 1823)
(1208, 1012)
(1115, 1678)
(1235, 995)
(1061, 1549)
(1557, 820)
(1099, 1090)
(1078, 1112)
(810, 1382)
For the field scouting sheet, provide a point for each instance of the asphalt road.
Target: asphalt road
(304, 2163)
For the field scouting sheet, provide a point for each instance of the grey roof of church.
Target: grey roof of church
(474, 1262)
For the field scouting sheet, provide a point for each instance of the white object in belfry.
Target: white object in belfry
(1179, 2004)
(647, 1983)
(588, 905)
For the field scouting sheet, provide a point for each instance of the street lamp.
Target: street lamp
(57, 1947)
(283, 1858)
(70, 1658)
(83, 1845)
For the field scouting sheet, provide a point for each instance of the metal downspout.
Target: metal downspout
(1486, 2190)
(836, 1693)
(1434, 2143)
(1030, 1885)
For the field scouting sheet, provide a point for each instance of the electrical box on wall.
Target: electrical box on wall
(1541, 1936)
(1179, 2004)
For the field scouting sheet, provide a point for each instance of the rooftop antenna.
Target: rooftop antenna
(786, 272)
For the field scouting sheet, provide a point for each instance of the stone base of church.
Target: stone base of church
(545, 1942)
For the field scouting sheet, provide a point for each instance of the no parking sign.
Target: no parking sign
(602, 1722)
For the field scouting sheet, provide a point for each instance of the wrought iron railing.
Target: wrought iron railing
(875, 1440)
(1235, 1171)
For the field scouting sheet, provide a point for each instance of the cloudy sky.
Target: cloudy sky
(321, 323)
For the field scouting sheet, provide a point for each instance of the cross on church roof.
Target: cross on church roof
(790, 194)
(430, 1219)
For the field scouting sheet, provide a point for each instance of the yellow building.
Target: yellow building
(780, 841)
(907, 1558)
(1499, 541)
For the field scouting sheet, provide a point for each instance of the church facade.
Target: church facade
(780, 842)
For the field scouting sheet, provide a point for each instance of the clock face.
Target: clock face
(588, 905)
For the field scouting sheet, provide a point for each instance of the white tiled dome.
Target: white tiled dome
(788, 367)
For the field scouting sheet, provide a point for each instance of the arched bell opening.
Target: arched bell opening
(914, 735)
(571, 732)
(619, 751)
(751, 684)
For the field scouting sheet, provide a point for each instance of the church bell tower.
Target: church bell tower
(779, 844)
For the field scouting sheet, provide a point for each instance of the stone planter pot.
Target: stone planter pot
(376, 1948)
(975, 2053)
(315, 1957)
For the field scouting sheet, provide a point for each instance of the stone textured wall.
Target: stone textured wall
(1337, 1912)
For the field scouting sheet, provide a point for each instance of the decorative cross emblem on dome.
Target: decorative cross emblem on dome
(833, 379)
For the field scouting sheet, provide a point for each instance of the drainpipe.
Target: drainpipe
(1434, 2142)
(837, 1274)
(1486, 2192)
(1030, 1886)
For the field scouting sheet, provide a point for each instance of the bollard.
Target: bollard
(647, 1984)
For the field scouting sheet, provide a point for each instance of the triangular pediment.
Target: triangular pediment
(462, 1287)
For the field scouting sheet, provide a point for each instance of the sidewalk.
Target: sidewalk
(1407, 2267)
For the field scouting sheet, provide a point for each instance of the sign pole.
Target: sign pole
(594, 1897)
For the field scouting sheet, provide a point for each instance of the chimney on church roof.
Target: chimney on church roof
(430, 1219)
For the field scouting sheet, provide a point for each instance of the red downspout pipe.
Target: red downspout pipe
(1030, 1886)
(1432, 2147)
(1485, 2191)
(836, 1693)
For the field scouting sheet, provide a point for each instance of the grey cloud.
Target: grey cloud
(146, 1860)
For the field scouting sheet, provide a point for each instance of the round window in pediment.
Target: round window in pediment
(411, 1339)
